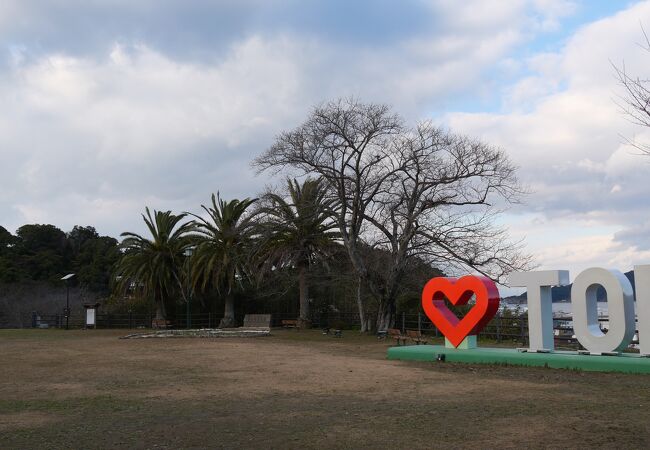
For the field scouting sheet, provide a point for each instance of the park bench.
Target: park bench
(161, 323)
(396, 334)
(257, 321)
(289, 323)
(416, 336)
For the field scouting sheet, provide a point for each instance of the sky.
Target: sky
(110, 106)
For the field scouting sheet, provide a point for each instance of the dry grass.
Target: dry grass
(88, 389)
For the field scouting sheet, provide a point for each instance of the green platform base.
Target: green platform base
(627, 362)
(468, 342)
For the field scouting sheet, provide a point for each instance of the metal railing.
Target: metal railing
(133, 320)
(503, 327)
(127, 320)
(506, 327)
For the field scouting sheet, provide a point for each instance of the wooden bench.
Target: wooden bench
(416, 337)
(396, 334)
(161, 323)
(257, 321)
(289, 323)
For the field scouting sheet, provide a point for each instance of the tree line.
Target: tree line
(371, 207)
(44, 253)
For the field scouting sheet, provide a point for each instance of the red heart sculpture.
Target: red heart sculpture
(459, 291)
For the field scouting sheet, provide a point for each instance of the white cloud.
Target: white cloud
(537, 15)
(92, 132)
(81, 136)
(562, 127)
(91, 137)
(551, 11)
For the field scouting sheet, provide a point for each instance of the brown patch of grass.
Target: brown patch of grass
(25, 419)
(88, 389)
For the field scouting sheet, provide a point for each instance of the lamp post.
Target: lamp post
(188, 318)
(67, 299)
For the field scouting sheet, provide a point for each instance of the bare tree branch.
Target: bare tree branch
(635, 102)
(410, 192)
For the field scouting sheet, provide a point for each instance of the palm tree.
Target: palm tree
(222, 254)
(155, 265)
(298, 231)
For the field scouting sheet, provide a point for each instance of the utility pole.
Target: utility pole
(188, 255)
(67, 299)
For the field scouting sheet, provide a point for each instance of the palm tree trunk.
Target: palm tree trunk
(160, 311)
(304, 320)
(228, 320)
(161, 314)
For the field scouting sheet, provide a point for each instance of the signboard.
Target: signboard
(620, 299)
(458, 292)
(90, 317)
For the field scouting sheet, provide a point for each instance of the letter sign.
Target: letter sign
(620, 304)
(642, 284)
(540, 305)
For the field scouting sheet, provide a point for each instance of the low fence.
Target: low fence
(503, 327)
(132, 320)
(129, 320)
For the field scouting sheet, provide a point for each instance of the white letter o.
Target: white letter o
(620, 303)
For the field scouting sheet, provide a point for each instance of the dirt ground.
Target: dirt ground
(296, 389)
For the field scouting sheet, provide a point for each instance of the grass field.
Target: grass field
(88, 389)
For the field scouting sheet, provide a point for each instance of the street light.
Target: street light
(67, 299)
(188, 318)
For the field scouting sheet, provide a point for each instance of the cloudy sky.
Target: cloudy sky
(108, 106)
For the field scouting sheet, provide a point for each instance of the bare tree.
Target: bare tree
(417, 191)
(635, 102)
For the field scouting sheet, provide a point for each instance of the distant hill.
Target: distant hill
(563, 293)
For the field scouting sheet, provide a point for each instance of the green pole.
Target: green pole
(189, 318)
